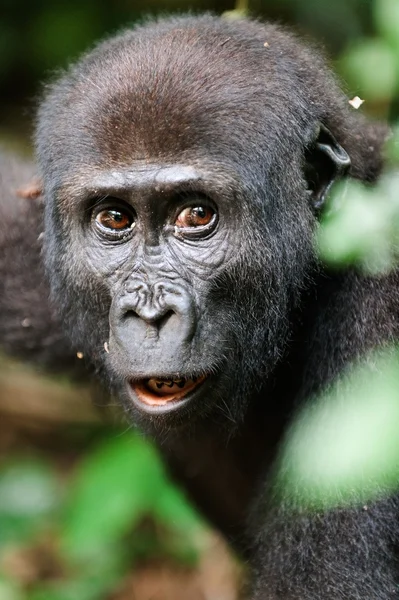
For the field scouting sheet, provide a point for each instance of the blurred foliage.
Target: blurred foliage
(91, 523)
(344, 447)
(361, 224)
(363, 230)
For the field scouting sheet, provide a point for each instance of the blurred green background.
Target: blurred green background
(87, 511)
(39, 37)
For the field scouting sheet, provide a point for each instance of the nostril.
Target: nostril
(130, 314)
(153, 318)
(162, 322)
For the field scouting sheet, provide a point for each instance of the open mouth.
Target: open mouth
(159, 392)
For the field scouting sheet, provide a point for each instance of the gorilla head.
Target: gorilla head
(183, 164)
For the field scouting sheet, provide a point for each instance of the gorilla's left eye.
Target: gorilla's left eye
(195, 216)
(115, 220)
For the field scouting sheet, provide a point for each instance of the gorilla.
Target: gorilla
(181, 170)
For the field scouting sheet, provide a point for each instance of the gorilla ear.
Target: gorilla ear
(326, 161)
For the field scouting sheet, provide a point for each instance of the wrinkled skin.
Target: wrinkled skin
(183, 166)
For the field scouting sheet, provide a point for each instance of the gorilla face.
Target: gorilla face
(180, 185)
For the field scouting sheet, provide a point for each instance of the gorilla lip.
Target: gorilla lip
(157, 391)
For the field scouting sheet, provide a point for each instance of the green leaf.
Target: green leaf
(174, 510)
(392, 145)
(371, 68)
(9, 590)
(185, 525)
(114, 487)
(363, 226)
(386, 18)
(344, 446)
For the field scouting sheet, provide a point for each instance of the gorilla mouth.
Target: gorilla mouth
(157, 391)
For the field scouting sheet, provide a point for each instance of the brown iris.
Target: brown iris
(195, 216)
(114, 219)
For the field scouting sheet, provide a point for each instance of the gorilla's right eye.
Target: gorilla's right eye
(115, 220)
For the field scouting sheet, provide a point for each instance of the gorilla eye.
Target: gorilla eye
(115, 220)
(195, 216)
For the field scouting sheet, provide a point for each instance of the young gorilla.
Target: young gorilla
(183, 165)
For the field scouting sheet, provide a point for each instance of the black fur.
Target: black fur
(242, 104)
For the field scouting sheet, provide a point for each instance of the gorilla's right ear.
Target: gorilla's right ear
(325, 162)
(31, 190)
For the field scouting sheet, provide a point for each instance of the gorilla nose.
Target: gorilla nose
(164, 312)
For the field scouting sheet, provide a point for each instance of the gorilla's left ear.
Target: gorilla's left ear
(326, 161)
